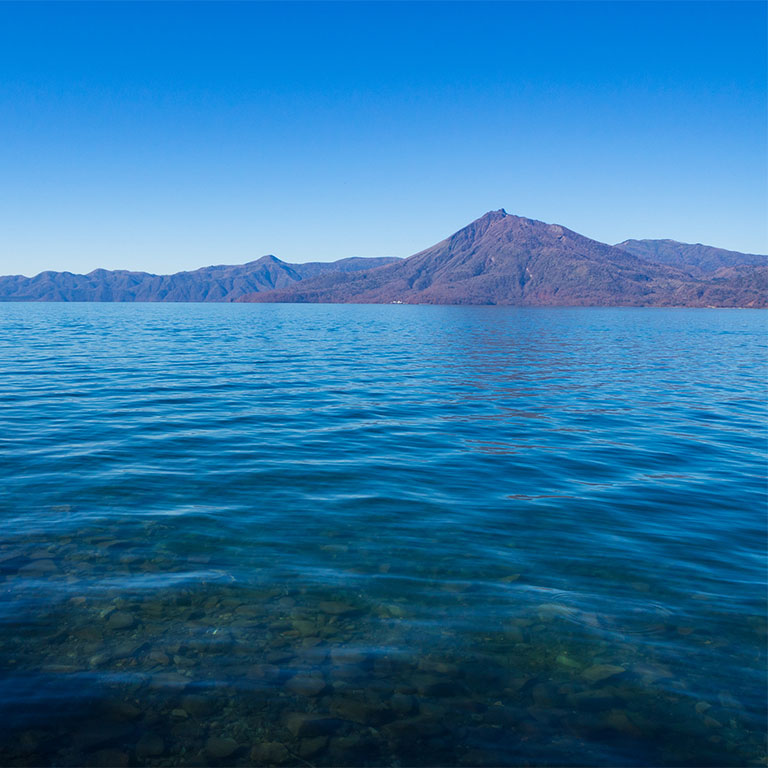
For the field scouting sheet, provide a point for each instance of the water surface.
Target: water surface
(381, 535)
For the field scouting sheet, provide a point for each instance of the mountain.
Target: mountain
(219, 283)
(695, 259)
(497, 259)
(506, 259)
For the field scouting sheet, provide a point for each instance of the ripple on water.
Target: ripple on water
(352, 535)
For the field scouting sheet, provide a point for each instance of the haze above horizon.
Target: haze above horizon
(165, 137)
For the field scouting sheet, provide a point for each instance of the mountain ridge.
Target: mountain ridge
(694, 258)
(499, 258)
(505, 259)
(224, 282)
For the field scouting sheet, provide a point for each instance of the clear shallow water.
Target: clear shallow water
(381, 535)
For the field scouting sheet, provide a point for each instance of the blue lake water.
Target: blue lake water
(381, 535)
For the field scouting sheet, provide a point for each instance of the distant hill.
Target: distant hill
(219, 283)
(506, 259)
(695, 259)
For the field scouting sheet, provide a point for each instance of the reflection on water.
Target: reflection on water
(348, 535)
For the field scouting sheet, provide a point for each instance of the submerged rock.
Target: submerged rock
(121, 620)
(304, 627)
(567, 661)
(304, 685)
(345, 749)
(598, 672)
(359, 711)
(218, 748)
(198, 706)
(123, 710)
(337, 608)
(304, 725)
(269, 753)
(619, 721)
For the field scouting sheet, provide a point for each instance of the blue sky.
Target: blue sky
(170, 136)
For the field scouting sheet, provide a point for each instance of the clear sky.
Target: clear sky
(171, 136)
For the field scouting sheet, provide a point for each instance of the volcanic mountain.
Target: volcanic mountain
(506, 259)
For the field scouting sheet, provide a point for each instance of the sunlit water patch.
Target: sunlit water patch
(381, 535)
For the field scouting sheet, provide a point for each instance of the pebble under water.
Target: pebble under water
(312, 535)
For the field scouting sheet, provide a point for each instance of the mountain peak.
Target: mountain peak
(509, 219)
(494, 215)
(480, 226)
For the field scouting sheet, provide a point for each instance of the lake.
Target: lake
(382, 535)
